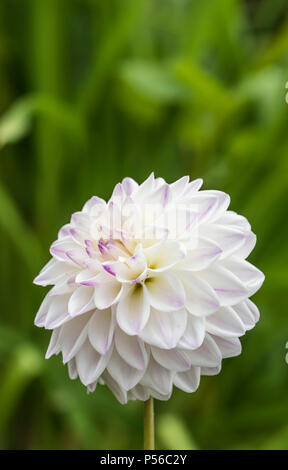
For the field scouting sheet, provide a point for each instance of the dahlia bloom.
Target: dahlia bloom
(151, 289)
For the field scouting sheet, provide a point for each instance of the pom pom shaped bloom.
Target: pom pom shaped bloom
(151, 289)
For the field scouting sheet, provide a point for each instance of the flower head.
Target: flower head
(150, 289)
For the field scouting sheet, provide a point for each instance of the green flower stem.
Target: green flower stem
(149, 425)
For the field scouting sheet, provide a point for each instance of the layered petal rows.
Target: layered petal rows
(151, 289)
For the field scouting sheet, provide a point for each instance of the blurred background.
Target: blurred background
(92, 91)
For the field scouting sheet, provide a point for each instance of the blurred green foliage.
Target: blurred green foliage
(93, 91)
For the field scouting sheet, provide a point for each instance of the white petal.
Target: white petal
(179, 220)
(253, 309)
(131, 396)
(129, 185)
(208, 355)
(125, 375)
(192, 187)
(157, 378)
(164, 329)
(201, 256)
(204, 203)
(65, 285)
(72, 369)
(159, 198)
(90, 364)
(128, 269)
(101, 329)
(210, 204)
(58, 312)
(92, 387)
(93, 202)
(194, 333)
(189, 380)
(131, 349)
(79, 257)
(164, 255)
(200, 299)
(225, 322)
(115, 388)
(229, 347)
(152, 233)
(73, 335)
(118, 194)
(88, 277)
(145, 189)
(42, 311)
(159, 396)
(52, 272)
(234, 220)
(248, 245)
(179, 186)
(245, 315)
(133, 309)
(248, 313)
(227, 238)
(131, 219)
(211, 370)
(107, 291)
(159, 182)
(165, 291)
(112, 249)
(81, 301)
(229, 289)
(139, 393)
(172, 359)
(78, 236)
(54, 346)
(251, 276)
(223, 201)
(64, 231)
(67, 250)
(92, 251)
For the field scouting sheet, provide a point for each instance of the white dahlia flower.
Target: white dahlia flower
(150, 289)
